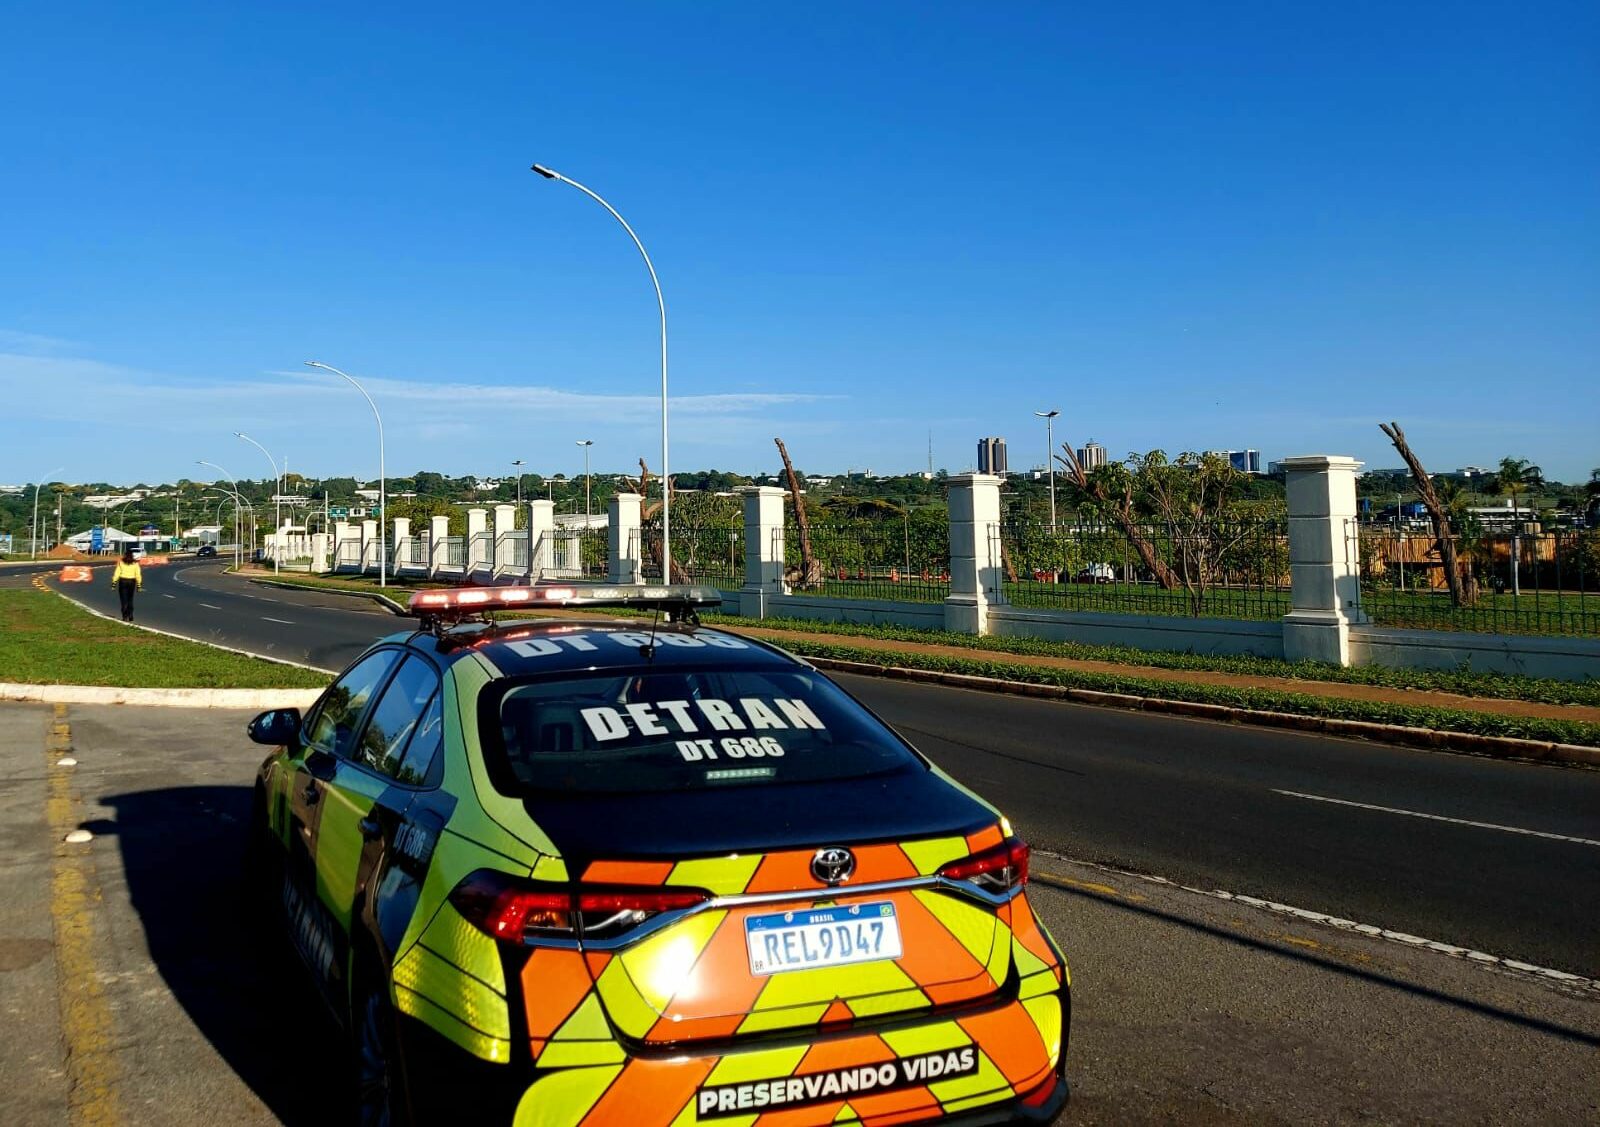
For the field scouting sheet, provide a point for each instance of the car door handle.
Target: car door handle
(369, 828)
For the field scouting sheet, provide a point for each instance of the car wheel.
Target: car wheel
(380, 1087)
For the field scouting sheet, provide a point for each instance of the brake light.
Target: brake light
(516, 911)
(997, 869)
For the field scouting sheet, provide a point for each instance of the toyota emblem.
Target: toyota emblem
(833, 865)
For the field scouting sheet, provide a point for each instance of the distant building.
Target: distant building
(992, 456)
(1091, 456)
(1245, 461)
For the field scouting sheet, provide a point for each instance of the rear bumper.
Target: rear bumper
(644, 1091)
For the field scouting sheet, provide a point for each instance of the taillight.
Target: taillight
(997, 869)
(515, 910)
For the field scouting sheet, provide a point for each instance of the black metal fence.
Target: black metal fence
(1510, 582)
(894, 557)
(1215, 569)
(709, 553)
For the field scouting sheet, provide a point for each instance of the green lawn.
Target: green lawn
(46, 640)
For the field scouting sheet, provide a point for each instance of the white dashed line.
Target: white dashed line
(282, 621)
(164, 595)
(208, 606)
(1370, 930)
(1440, 818)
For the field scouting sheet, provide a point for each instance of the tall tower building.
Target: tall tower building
(1091, 456)
(992, 456)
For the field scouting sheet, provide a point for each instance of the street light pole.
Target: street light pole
(1049, 418)
(383, 503)
(586, 443)
(519, 463)
(236, 499)
(277, 514)
(666, 472)
(34, 552)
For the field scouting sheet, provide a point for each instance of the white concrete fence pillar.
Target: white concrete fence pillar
(505, 522)
(401, 542)
(541, 538)
(763, 549)
(975, 571)
(319, 551)
(477, 525)
(438, 532)
(1324, 561)
(369, 545)
(341, 533)
(624, 543)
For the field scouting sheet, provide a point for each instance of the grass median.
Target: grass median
(47, 640)
(1300, 704)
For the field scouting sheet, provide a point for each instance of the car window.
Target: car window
(396, 716)
(678, 730)
(423, 765)
(333, 728)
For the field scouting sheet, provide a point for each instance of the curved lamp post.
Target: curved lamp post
(34, 553)
(383, 501)
(519, 463)
(666, 473)
(1049, 418)
(277, 515)
(236, 500)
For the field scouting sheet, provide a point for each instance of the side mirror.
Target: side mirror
(276, 727)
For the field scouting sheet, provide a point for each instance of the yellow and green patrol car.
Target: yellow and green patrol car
(562, 873)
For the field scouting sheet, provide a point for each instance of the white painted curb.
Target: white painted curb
(260, 699)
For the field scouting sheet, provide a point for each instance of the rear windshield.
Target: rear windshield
(681, 730)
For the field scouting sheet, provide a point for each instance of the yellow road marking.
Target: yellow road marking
(1086, 886)
(85, 1016)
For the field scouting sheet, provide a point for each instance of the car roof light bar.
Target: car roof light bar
(441, 607)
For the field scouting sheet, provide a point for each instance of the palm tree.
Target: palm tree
(1517, 476)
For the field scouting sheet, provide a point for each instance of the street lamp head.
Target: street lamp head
(585, 442)
(1047, 414)
(547, 173)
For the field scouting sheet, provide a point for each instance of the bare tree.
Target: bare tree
(810, 574)
(1438, 512)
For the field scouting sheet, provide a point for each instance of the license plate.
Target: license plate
(822, 937)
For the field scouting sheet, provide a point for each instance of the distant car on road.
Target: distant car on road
(644, 873)
(1096, 573)
(205, 551)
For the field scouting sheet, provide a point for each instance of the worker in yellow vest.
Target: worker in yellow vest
(127, 577)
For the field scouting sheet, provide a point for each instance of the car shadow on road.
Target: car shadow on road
(1329, 962)
(183, 852)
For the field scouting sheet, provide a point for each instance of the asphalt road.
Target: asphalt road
(1494, 856)
(133, 991)
(201, 600)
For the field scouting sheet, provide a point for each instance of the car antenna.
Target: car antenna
(648, 650)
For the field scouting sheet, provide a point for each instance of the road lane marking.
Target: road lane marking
(208, 606)
(1439, 818)
(283, 621)
(164, 595)
(1370, 930)
(85, 1015)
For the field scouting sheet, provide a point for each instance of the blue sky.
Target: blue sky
(1186, 226)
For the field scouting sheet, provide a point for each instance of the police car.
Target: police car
(641, 872)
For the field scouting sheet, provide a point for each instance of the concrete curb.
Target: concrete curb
(260, 699)
(382, 600)
(1499, 747)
